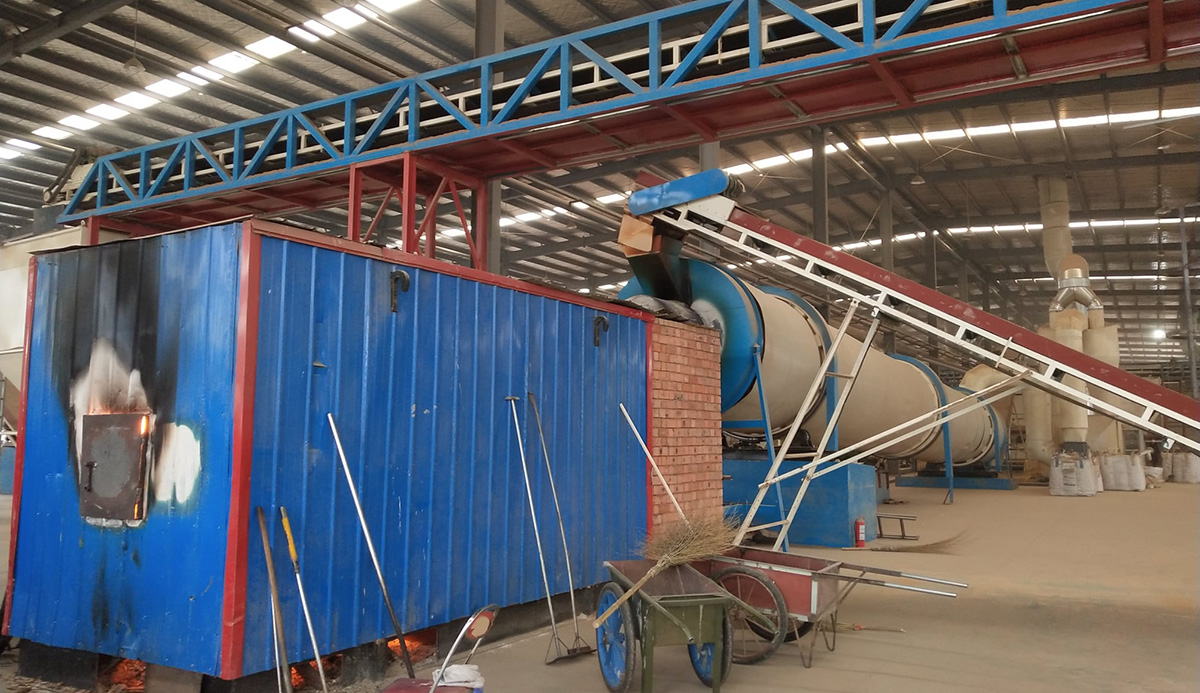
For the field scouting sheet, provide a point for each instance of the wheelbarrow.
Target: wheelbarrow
(679, 606)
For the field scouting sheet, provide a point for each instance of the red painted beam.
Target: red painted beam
(1158, 42)
(1004, 329)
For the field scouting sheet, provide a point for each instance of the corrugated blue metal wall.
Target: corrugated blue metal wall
(419, 398)
(168, 306)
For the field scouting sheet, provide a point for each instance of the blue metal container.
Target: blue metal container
(248, 335)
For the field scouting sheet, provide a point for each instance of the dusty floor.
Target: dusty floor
(1067, 594)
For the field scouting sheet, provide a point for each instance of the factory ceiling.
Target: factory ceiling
(81, 79)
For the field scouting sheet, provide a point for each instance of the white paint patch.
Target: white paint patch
(107, 386)
(178, 464)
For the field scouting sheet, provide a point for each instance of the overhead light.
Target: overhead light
(136, 99)
(738, 170)
(578, 204)
(234, 62)
(610, 199)
(982, 229)
(318, 28)
(1132, 117)
(800, 154)
(917, 180)
(302, 33)
(453, 233)
(206, 73)
(1181, 112)
(988, 130)
(958, 229)
(78, 122)
(771, 161)
(528, 216)
(731, 266)
(6, 153)
(557, 210)
(194, 79)
(107, 112)
(1080, 122)
(51, 133)
(168, 88)
(944, 134)
(345, 17)
(1159, 334)
(1035, 125)
(1078, 225)
(270, 47)
(873, 141)
(607, 287)
(900, 139)
(549, 212)
(390, 5)
(1011, 227)
(585, 290)
(23, 144)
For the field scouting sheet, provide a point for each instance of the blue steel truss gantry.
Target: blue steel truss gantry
(693, 72)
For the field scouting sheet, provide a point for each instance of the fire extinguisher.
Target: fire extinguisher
(860, 532)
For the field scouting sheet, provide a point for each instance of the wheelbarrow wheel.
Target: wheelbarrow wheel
(615, 640)
(702, 655)
(752, 640)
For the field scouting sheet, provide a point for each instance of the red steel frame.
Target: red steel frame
(422, 177)
(234, 604)
(19, 466)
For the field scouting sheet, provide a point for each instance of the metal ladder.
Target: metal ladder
(1008, 348)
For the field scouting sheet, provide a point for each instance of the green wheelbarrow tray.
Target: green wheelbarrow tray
(679, 606)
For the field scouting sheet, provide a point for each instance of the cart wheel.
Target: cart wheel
(615, 640)
(702, 655)
(753, 641)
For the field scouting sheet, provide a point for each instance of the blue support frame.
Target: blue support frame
(234, 157)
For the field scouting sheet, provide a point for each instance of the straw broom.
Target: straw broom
(679, 543)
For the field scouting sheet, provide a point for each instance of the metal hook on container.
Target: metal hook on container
(599, 325)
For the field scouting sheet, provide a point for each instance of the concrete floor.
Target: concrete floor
(1067, 594)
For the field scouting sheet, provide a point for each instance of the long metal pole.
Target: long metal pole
(282, 672)
(558, 514)
(312, 633)
(537, 537)
(653, 465)
(1189, 306)
(362, 521)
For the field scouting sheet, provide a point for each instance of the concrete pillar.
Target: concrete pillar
(820, 191)
(887, 253)
(710, 155)
(489, 39)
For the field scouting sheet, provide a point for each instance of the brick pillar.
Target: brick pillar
(686, 398)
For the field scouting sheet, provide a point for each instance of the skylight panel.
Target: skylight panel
(168, 88)
(107, 112)
(136, 99)
(506, 221)
(771, 161)
(318, 28)
(390, 5)
(736, 170)
(903, 139)
(6, 153)
(52, 133)
(206, 73)
(303, 34)
(345, 17)
(610, 199)
(944, 134)
(78, 122)
(23, 144)
(194, 79)
(528, 216)
(1181, 112)
(234, 62)
(1132, 117)
(801, 154)
(270, 47)
(873, 141)
(1034, 125)
(578, 204)
(1084, 121)
(988, 130)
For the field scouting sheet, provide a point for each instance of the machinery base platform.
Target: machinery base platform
(960, 482)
